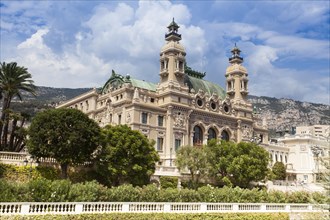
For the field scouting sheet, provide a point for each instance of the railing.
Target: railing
(18, 158)
(146, 207)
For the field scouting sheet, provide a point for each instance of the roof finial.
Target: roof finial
(236, 54)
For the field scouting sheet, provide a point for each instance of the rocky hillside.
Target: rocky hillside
(281, 114)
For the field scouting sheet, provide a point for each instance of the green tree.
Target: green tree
(194, 159)
(240, 163)
(67, 135)
(13, 80)
(279, 171)
(127, 156)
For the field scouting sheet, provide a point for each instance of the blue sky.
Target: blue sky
(73, 44)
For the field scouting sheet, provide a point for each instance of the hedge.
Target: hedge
(157, 216)
(44, 190)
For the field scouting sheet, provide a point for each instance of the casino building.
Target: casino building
(181, 109)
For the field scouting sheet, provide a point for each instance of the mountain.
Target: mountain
(281, 114)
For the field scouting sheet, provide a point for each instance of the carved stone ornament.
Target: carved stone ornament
(179, 119)
(178, 135)
(128, 118)
(247, 131)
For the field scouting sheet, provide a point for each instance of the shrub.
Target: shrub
(299, 197)
(87, 192)
(275, 196)
(47, 172)
(123, 193)
(60, 190)
(169, 195)
(189, 195)
(39, 190)
(168, 182)
(207, 193)
(79, 175)
(26, 173)
(149, 193)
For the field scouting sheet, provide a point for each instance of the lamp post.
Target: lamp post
(30, 160)
(317, 150)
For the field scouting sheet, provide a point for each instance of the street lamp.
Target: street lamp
(317, 150)
(30, 160)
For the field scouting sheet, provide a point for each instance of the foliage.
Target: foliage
(325, 174)
(194, 159)
(42, 190)
(14, 80)
(67, 135)
(168, 182)
(279, 171)
(124, 193)
(24, 173)
(240, 163)
(39, 190)
(157, 216)
(127, 156)
(87, 192)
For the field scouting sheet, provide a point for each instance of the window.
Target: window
(119, 119)
(87, 106)
(198, 136)
(160, 142)
(226, 108)
(200, 102)
(212, 134)
(144, 116)
(213, 106)
(177, 144)
(160, 120)
(225, 135)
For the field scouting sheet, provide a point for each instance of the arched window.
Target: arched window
(198, 135)
(212, 134)
(225, 135)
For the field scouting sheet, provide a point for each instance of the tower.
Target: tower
(172, 58)
(236, 75)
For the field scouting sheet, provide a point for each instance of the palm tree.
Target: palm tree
(13, 80)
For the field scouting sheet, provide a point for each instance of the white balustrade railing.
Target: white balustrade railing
(147, 207)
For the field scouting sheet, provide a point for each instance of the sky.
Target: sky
(76, 44)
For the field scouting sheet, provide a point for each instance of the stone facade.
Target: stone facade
(303, 152)
(182, 109)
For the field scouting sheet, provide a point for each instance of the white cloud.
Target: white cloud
(119, 38)
(68, 48)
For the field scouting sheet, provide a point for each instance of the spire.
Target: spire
(173, 32)
(235, 57)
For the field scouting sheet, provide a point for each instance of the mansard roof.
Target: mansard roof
(197, 84)
(194, 82)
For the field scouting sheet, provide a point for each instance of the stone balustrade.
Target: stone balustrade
(17, 158)
(152, 207)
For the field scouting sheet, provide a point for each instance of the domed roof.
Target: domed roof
(207, 86)
(236, 67)
(173, 45)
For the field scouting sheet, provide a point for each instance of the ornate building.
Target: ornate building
(182, 109)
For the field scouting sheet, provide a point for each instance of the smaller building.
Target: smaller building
(302, 152)
(314, 130)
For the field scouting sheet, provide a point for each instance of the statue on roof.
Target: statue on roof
(193, 73)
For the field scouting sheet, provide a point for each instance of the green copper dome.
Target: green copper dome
(207, 86)
(193, 79)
